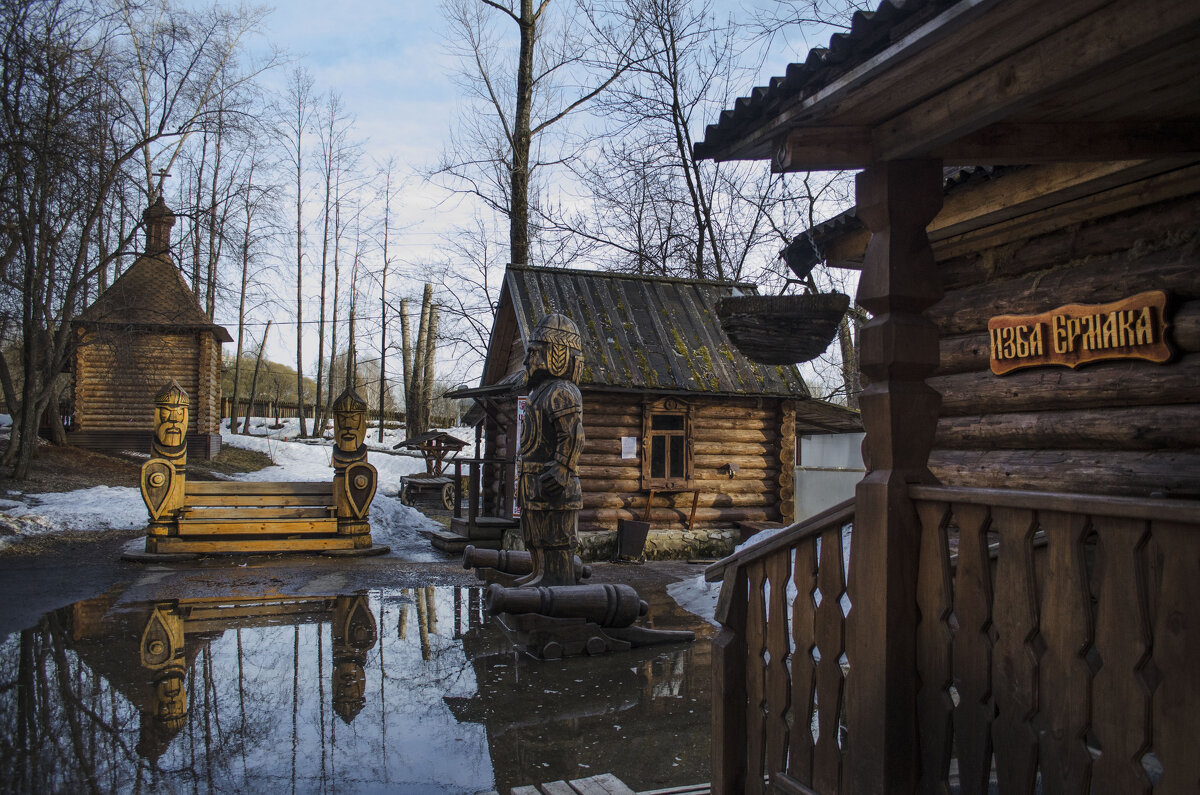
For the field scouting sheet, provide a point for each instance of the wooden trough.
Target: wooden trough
(782, 329)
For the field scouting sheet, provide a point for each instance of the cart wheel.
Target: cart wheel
(448, 496)
(405, 497)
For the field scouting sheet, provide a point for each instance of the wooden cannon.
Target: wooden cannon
(568, 620)
(504, 566)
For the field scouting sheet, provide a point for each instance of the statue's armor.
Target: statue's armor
(552, 430)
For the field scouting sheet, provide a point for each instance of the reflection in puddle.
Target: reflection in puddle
(401, 690)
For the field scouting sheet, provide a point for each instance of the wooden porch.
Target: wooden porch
(1043, 636)
(1055, 650)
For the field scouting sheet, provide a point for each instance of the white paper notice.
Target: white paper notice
(628, 447)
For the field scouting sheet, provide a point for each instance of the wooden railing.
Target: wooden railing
(1058, 649)
(777, 661)
(475, 480)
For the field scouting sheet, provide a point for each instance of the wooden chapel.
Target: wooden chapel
(146, 329)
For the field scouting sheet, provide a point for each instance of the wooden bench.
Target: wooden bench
(226, 516)
(199, 517)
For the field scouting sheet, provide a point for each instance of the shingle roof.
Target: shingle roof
(151, 292)
(870, 33)
(647, 333)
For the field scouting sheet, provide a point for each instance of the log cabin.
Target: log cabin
(673, 413)
(146, 329)
(1023, 597)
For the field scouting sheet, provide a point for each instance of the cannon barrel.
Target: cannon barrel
(512, 561)
(606, 605)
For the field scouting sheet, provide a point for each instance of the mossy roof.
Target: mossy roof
(639, 332)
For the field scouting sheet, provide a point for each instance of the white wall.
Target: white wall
(829, 468)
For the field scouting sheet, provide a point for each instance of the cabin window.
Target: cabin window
(666, 445)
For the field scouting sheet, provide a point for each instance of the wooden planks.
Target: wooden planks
(973, 648)
(804, 670)
(1176, 621)
(258, 488)
(1064, 679)
(254, 545)
(189, 527)
(777, 696)
(831, 643)
(756, 629)
(1121, 710)
(1014, 661)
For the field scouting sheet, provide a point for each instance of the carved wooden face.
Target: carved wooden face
(170, 699)
(537, 363)
(170, 424)
(350, 428)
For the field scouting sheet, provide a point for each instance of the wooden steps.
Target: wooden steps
(604, 784)
(253, 545)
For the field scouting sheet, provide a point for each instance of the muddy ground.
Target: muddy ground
(50, 572)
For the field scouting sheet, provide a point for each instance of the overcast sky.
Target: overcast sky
(389, 61)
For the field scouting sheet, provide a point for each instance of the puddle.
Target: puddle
(400, 690)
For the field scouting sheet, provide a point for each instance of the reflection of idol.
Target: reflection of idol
(170, 701)
(349, 688)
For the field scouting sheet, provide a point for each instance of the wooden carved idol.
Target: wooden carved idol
(551, 441)
(163, 476)
(354, 480)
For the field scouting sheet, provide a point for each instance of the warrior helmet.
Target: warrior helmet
(171, 395)
(564, 348)
(349, 401)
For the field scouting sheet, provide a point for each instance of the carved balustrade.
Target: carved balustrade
(1056, 649)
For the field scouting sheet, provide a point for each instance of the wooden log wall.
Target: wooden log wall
(1124, 427)
(745, 432)
(116, 379)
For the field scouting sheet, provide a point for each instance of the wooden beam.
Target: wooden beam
(1082, 141)
(834, 148)
(1018, 195)
(1090, 49)
(899, 412)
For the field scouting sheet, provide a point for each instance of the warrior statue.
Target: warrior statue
(164, 475)
(551, 441)
(354, 479)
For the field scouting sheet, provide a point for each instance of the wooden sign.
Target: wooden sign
(1075, 334)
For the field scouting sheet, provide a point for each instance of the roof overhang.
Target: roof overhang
(986, 82)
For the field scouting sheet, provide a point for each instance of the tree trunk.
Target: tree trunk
(254, 381)
(518, 220)
(427, 379)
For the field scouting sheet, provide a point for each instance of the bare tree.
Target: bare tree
(388, 172)
(85, 93)
(295, 122)
(562, 62)
(337, 159)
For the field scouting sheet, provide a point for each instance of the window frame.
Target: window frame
(659, 408)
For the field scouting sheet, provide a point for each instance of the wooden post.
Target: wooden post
(896, 200)
(729, 687)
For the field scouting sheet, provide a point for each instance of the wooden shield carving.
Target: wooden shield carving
(360, 487)
(161, 640)
(158, 476)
